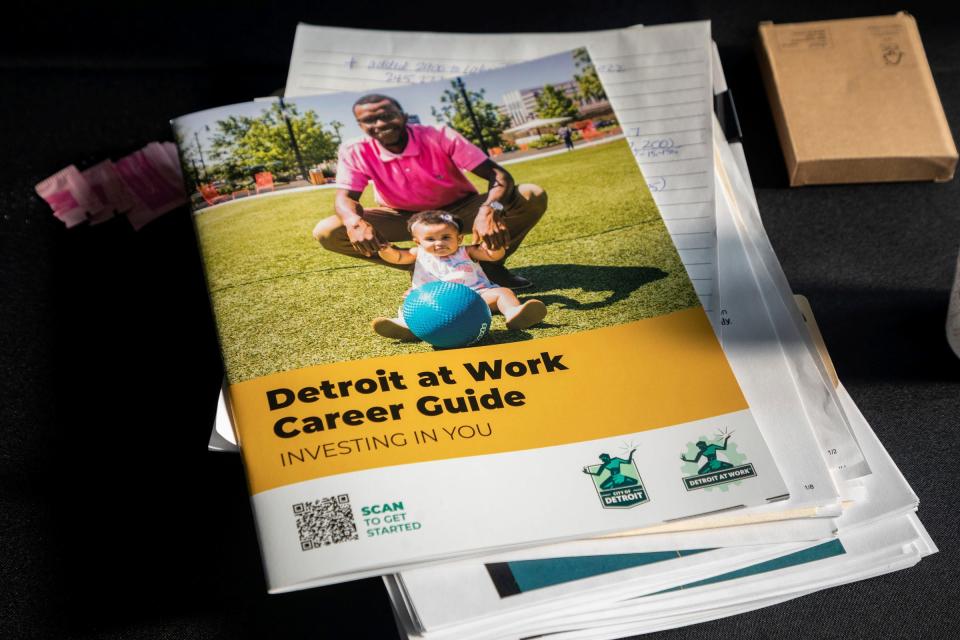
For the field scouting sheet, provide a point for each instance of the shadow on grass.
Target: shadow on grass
(619, 281)
(504, 336)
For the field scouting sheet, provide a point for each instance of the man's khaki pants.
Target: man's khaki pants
(521, 212)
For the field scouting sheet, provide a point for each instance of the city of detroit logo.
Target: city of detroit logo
(617, 481)
(714, 472)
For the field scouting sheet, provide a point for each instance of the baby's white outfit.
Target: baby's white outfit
(457, 267)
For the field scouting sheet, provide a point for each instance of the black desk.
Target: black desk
(115, 520)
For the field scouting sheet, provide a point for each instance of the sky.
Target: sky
(416, 99)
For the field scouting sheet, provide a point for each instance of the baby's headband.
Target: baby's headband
(457, 222)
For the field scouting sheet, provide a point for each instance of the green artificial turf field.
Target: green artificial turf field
(600, 256)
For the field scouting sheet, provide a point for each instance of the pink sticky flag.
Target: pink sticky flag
(150, 187)
(171, 150)
(106, 183)
(157, 155)
(69, 195)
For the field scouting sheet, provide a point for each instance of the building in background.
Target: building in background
(521, 106)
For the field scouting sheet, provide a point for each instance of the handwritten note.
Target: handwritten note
(658, 79)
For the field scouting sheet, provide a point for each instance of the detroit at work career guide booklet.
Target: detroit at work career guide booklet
(598, 401)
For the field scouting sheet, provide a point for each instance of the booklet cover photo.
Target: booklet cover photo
(453, 321)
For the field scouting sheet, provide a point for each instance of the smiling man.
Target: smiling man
(418, 168)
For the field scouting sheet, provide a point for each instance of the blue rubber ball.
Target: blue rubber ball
(446, 314)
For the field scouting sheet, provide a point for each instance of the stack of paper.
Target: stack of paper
(850, 513)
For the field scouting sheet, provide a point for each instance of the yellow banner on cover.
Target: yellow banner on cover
(338, 418)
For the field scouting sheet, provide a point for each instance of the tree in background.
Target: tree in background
(337, 127)
(588, 82)
(228, 155)
(243, 143)
(453, 112)
(551, 103)
(188, 160)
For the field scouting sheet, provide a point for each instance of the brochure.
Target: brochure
(461, 357)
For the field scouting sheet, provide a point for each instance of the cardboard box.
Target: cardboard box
(854, 101)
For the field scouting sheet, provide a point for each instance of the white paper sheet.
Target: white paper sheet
(888, 492)
(897, 544)
(465, 592)
(867, 551)
(222, 437)
(817, 397)
(760, 363)
(838, 444)
(777, 532)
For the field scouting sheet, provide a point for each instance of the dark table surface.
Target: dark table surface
(115, 522)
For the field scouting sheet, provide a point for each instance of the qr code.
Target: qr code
(325, 521)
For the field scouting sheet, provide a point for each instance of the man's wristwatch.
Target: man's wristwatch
(496, 206)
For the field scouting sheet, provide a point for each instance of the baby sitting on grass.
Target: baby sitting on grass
(439, 255)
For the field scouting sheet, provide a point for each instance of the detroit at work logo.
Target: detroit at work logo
(704, 467)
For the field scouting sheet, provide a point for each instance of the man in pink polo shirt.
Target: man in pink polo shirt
(417, 168)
